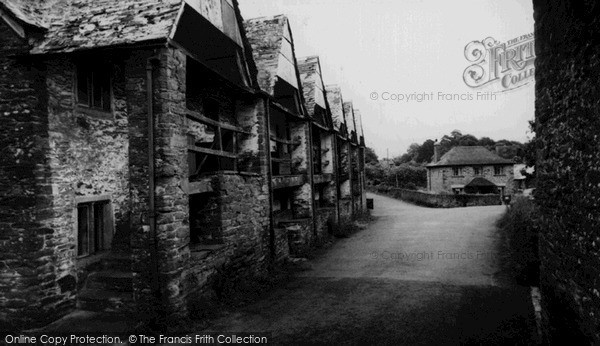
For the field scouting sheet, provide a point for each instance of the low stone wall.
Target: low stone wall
(437, 200)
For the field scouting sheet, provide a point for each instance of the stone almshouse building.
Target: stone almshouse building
(148, 145)
(469, 169)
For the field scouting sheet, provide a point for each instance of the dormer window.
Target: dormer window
(93, 85)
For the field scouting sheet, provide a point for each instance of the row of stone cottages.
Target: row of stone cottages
(147, 145)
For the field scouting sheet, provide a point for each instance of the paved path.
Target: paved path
(415, 276)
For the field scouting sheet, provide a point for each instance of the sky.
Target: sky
(375, 49)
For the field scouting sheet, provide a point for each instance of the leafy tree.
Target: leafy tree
(370, 156)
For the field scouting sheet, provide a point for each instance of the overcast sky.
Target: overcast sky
(404, 47)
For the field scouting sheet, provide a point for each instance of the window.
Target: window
(205, 219)
(316, 145)
(93, 227)
(477, 170)
(456, 171)
(217, 148)
(498, 170)
(282, 144)
(93, 86)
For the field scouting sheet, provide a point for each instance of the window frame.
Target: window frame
(499, 170)
(107, 222)
(94, 67)
(457, 171)
(477, 170)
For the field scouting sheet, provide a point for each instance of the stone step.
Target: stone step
(117, 261)
(110, 280)
(103, 300)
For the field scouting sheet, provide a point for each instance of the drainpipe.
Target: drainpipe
(267, 104)
(151, 178)
(312, 177)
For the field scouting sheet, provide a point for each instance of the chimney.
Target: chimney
(499, 148)
(436, 151)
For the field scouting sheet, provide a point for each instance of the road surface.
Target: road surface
(414, 276)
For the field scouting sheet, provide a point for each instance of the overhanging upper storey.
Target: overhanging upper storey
(273, 49)
(315, 98)
(349, 115)
(211, 32)
(359, 127)
(336, 104)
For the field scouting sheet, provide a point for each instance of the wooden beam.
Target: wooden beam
(193, 115)
(207, 151)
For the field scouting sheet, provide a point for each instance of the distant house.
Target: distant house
(523, 181)
(469, 169)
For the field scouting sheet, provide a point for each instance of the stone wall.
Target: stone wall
(244, 221)
(325, 218)
(442, 178)
(567, 125)
(29, 290)
(439, 200)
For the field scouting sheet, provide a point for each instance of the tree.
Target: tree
(425, 152)
(370, 156)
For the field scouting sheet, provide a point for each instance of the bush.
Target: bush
(519, 227)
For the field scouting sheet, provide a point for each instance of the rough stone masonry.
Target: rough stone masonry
(567, 43)
(137, 169)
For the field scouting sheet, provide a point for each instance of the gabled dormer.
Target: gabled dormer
(315, 98)
(359, 127)
(212, 32)
(273, 49)
(336, 105)
(349, 115)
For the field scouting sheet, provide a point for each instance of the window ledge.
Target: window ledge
(201, 251)
(97, 113)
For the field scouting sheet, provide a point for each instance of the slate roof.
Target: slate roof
(349, 115)
(308, 67)
(312, 84)
(265, 35)
(470, 155)
(336, 104)
(358, 122)
(29, 12)
(79, 24)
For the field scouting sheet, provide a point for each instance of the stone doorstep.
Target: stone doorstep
(111, 280)
(103, 300)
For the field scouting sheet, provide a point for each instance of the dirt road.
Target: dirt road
(415, 276)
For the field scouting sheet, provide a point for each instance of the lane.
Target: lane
(373, 288)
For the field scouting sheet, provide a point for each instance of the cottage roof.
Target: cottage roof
(70, 25)
(470, 155)
(314, 88)
(273, 51)
(336, 104)
(359, 127)
(28, 12)
(350, 121)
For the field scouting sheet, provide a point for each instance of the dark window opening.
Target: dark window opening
(205, 219)
(287, 96)
(282, 204)
(92, 228)
(477, 170)
(317, 151)
(456, 171)
(498, 170)
(93, 85)
(281, 145)
(321, 196)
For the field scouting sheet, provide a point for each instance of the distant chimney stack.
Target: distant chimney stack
(436, 151)
(499, 148)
